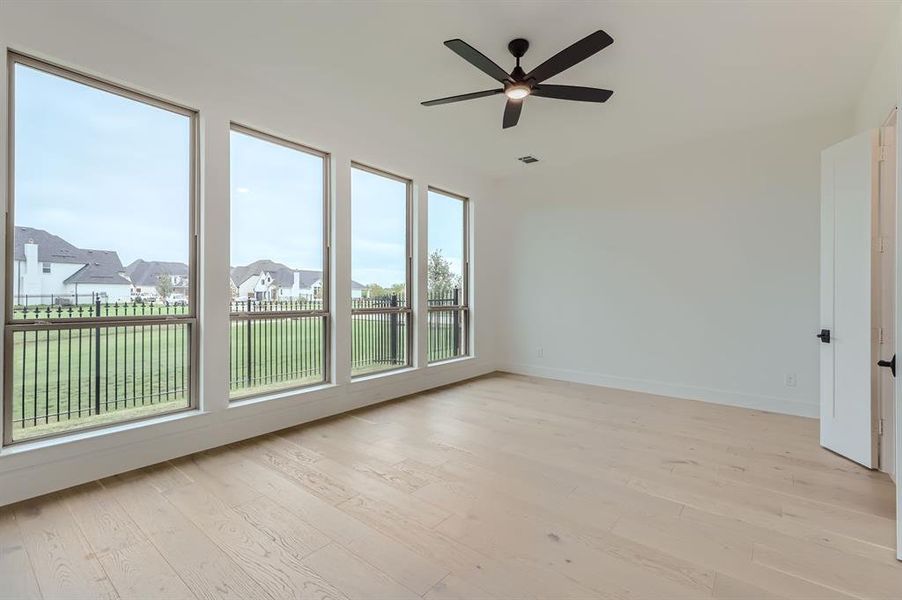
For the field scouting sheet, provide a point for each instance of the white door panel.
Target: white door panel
(848, 185)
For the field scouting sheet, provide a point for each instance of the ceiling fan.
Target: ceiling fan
(518, 84)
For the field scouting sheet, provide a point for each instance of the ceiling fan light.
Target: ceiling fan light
(517, 92)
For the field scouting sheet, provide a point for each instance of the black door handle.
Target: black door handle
(888, 363)
(824, 335)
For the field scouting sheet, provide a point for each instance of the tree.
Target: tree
(374, 290)
(440, 280)
(164, 285)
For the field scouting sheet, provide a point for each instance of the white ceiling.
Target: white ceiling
(680, 70)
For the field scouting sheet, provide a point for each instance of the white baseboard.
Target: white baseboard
(660, 388)
(27, 471)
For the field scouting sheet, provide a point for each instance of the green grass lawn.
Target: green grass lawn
(144, 368)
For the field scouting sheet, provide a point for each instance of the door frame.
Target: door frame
(898, 424)
(886, 426)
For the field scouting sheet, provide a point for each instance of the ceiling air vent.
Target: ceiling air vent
(528, 159)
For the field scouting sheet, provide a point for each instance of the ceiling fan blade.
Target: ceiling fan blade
(511, 113)
(571, 55)
(477, 59)
(461, 97)
(572, 92)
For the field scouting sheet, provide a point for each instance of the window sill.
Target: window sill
(278, 395)
(450, 361)
(99, 432)
(382, 375)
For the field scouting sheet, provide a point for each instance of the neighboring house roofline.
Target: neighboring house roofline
(282, 274)
(147, 272)
(100, 266)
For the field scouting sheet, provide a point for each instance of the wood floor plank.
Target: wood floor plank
(598, 561)
(396, 560)
(728, 588)
(724, 553)
(362, 481)
(284, 527)
(205, 569)
(501, 487)
(356, 578)
(60, 555)
(855, 577)
(102, 520)
(16, 573)
(524, 579)
(139, 572)
(453, 587)
(278, 569)
(321, 484)
(389, 466)
(200, 468)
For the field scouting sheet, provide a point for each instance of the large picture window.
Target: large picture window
(447, 276)
(100, 317)
(279, 265)
(380, 271)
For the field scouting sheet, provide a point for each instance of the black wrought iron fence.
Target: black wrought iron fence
(379, 333)
(76, 373)
(93, 306)
(87, 373)
(276, 344)
(271, 306)
(447, 326)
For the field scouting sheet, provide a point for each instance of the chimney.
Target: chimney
(31, 282)
(31, 256)
(297, 281)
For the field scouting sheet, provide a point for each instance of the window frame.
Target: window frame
(408, 275)
(464, 306)
(326, 312)
(11, 326)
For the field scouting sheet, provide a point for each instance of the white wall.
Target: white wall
(880, 90)
(59, 32)
(689, 271)
(114, 293)
(37, 283)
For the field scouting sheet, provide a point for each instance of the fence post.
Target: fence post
(250, 348)
(456, 321)
(393, 330)
(97, 359)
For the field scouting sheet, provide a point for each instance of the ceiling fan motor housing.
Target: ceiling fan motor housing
(518, 47)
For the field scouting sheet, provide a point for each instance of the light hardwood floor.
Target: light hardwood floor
(501, 487)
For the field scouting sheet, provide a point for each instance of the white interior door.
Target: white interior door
(849, 186)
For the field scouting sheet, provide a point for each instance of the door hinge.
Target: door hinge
(881, 245)
(879, 426)
(881, 154)
(880, 335)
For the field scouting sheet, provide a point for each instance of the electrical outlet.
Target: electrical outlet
(791, 380)
(540, 352)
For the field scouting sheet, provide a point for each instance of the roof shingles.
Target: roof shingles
(100, 266)
(282, 275)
